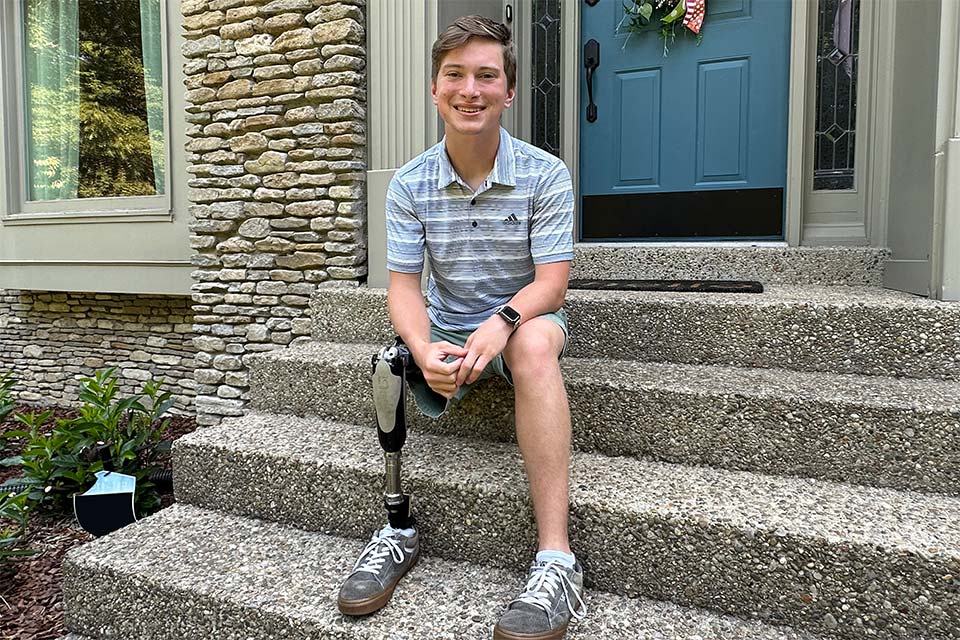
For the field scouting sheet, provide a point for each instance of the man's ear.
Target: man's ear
(433, 90)
(511, 94)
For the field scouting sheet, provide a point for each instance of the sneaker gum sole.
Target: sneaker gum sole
(556, 634)
(371, 605)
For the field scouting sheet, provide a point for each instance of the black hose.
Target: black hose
(160, 477)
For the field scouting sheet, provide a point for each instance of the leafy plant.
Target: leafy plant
(7, 382)
(39, 458)
(126, 432)
(13, 509)
(639, 14)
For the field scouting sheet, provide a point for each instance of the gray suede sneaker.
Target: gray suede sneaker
(553, 595)
(385, 559)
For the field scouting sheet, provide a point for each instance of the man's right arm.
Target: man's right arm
(409, 317)
(408, 314)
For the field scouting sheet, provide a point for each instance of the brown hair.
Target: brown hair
(463, 29)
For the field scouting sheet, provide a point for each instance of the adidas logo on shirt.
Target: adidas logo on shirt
(511, 219)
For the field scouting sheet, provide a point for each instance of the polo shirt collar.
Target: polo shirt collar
(504, 166)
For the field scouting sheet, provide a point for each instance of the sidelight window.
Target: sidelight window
(836, 101)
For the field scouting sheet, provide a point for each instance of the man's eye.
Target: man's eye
(452, 74)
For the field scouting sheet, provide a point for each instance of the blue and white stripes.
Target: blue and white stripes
(482, 246)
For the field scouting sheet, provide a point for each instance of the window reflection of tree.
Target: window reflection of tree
(114, 134)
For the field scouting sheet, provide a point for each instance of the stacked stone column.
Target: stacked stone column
(276, 123)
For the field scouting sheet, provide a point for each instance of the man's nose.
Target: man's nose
(469, 86)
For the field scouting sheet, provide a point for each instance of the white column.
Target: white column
(401, 121)
(946, 283)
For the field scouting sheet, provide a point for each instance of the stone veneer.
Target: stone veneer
(49, 340)
(276, 125)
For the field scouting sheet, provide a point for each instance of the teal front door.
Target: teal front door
(691, 146)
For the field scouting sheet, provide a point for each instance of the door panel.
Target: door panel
(722, 118)
(704, 118)
(640, 143)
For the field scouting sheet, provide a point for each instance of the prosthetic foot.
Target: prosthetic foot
(390, 368)
(393, 550)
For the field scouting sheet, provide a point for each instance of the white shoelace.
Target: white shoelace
(542, 587)
(381, 545)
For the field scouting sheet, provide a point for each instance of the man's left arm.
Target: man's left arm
(551, 244)
(544, 295)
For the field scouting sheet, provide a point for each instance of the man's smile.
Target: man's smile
(466, 109)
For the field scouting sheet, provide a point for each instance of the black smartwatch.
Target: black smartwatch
(510, 315)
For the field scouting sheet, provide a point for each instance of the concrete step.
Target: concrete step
(877, 431)
(803, 328)
(821, 556)
(851, 266)
(192, 573)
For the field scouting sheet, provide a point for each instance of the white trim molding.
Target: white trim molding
(856, 216)
(946, 230)
(796, 130)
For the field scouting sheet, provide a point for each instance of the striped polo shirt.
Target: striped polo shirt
(482, 245)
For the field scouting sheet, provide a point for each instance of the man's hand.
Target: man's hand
(440, 375)
(483, 345)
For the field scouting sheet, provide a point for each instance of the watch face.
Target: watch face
(510, 315)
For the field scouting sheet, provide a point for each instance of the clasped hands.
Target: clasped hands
(446, 367)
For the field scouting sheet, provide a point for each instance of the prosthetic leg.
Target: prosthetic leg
(390, 368)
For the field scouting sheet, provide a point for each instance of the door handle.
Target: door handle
(591, 60)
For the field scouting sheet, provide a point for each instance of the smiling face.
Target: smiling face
(471, 89)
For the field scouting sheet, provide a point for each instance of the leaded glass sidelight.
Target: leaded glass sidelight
(94, 99)
(546, 76)
(835, 127)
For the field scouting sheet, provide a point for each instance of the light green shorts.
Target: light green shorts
(433, 404)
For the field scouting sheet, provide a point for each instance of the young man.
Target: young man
(495, 215)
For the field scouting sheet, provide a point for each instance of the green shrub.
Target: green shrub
(13, 511)
(61, 459)
(7, 383)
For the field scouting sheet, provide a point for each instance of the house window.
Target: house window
(88, 101)
(836, 106)
(546, 75)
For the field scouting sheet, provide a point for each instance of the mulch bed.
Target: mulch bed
(31, 600)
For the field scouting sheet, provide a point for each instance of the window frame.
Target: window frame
(15, 209)
(856, 216)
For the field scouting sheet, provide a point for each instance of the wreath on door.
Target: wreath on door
(668, 13)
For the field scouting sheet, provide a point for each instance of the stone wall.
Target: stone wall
(276, 111)
(49, 340)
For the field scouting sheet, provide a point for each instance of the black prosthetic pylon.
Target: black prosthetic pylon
(389, 376)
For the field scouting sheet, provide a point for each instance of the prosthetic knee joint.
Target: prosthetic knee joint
(390, 368)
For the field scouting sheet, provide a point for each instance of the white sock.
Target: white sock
(566, 559)
(404, 532)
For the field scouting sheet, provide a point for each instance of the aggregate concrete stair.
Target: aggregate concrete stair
(710, 433)
(198, 574)
(864, 331)
(880, 431)
(837, 266)
(825, 557)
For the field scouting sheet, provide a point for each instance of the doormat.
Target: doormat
(696, 286)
